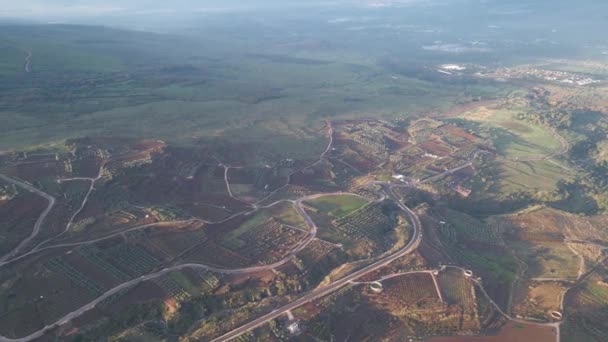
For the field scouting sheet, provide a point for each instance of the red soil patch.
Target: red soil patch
(459, 132)
(436, 147)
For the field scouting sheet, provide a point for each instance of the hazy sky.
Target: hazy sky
(71, 8)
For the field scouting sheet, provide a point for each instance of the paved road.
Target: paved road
(40, 220)
(412, 245)
(312, 232)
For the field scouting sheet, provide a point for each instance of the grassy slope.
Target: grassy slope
(512, 137)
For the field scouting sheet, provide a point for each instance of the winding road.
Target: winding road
(312, 232)
(387, 192)
(40, 220)
(338, 284)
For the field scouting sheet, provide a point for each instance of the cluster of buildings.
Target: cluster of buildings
(547, 75)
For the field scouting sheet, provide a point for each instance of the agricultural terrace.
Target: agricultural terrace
(513, 138)
(337, 205)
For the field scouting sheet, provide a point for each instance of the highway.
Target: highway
(316, 294)
(40, 220)
(312, 232)
(387, 191)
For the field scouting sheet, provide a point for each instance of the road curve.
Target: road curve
(412, 245)
(298, 248)
(40, 220)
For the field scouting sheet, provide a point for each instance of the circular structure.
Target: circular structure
(293, 328)
(376, 287)
(557, 315)
(468, 273)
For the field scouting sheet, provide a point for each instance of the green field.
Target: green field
(339, 205)
(531, 176)
(512, 137)
(96, 81)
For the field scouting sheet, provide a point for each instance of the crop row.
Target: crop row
(456, 289)
(265, 242)
(471, 228)
(61, 266)
(209, 280)
(95, 256)
(368, 222)
(316, 250)
(172, 288)
(133, 257)
(215, 255)
(410, 289)
(177, 242)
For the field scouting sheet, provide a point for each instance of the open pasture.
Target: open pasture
(535, 176)
(513, 138)
(338, 205)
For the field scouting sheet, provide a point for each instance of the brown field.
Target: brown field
(538, 300)
(511, 332)
(436, 147)
(411, 291)
(538, 238)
